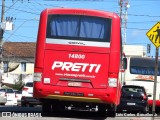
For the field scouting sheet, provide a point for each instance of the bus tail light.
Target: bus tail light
(37, 76)
(112, 80)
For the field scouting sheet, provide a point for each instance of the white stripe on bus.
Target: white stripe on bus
(77, 42)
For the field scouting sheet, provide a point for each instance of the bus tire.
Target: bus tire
(58, 107)
(111, 112)
(102, 109)
(46, 108)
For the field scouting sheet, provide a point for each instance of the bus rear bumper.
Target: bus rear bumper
(107, 96)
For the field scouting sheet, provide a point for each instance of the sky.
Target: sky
(142, 16)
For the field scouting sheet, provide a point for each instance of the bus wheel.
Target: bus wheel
(111, 112)
(46, 108)
(102, 109)
(58, 107)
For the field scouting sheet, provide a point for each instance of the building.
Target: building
(18, 62)
(134, 50)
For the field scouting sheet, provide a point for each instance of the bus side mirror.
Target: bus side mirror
(124, 63)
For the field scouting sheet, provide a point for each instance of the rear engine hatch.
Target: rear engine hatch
(76, 69)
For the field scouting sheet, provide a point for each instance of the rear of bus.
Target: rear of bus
(77, 58)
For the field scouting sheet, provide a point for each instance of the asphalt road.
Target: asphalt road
(34, 113)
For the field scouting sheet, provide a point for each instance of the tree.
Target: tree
(19, 84)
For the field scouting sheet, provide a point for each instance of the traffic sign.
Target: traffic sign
(154, 34)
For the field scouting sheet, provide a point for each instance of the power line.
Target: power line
(137, 28)
(40, 5)
(11, 6)
(35, 5)
(22, 10)
(142, 22)
(29, 20)
(61, 6)
(143, 15)
(17, 29)
(17, 35)
(44, 5)
(140, 15)
(148, 0)
(79, 0)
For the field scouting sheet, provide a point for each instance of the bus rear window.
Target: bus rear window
(78, 27)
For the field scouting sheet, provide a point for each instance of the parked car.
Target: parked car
(18, 96)
(133, 99)
(3, 97)
(11, 97)
(27, 96)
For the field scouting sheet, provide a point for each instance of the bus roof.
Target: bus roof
(80, 11)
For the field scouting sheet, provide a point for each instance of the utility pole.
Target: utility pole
(1, 40)
(124, 5)
(155, 82)
(120, 13)
(1, 33)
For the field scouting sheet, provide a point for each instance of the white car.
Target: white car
(3, 97)
(27, 96)
(11, 97)
(18, 96)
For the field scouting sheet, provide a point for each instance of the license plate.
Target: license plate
(131, 103)
(74, 84)
(73, 94)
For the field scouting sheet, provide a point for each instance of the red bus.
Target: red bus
(78, 59)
